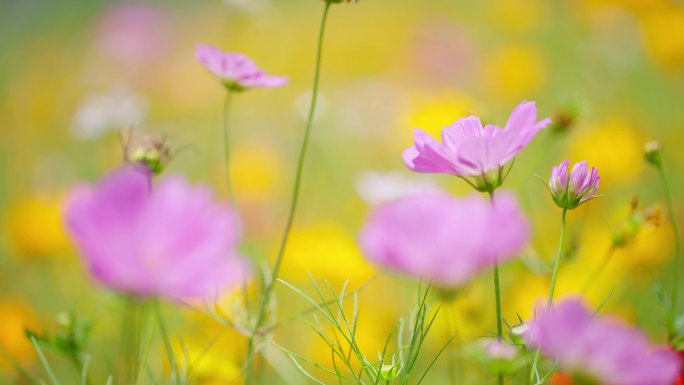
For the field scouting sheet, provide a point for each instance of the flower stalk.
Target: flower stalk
(131, 333)
(268, 290)
(549, 302)
(678, 247)
(497, 295)
(227, 102)
(653, 155)
(556, 263)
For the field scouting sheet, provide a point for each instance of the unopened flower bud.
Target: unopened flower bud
(652, 153)
(501, 350)
(569, 190)
(154, 153)
(517, 333)
(638, 217)
(64, 320)
(564, 119)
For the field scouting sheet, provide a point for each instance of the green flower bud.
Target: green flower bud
(652, 153)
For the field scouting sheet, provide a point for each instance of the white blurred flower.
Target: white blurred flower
(302, 104)
(248, 5)
(115, 110)
(379, 187)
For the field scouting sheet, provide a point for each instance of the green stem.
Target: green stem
(554, 276)
(130, 343)
(226, 143)
(497, 296)
(167, 343)
(678, 248)
(559, 255)
(295, 199)
(497, 293)
(79, 365)
(452, 333)
(599, 269)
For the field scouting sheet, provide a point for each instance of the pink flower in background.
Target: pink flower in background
(135, 34)
(470, 150)
(599, 349)
(435, 236)
(573, 189)
(236, 71)
(170, 239)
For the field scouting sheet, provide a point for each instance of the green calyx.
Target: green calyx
(234, 86)
(489, 181)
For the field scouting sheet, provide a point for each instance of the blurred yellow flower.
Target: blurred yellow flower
(520, 15)
(516, 71)
(257, 172)
(35, 227)
(328, 252)
(467, 313)
(653, 246)
(212, 366)
(438, 110)
(525, 295)
(614, 147)
(14, 318)
(663, 31)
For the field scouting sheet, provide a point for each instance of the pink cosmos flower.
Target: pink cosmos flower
(599, 350)
(135, 34)
(170, 239)
(570, 191)
(435, 236)
(236, 71)
(470, 150)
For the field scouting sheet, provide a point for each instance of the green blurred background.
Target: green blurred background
(73, 72)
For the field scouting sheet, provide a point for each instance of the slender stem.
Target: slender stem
(554, 276)
(497, 296)
(130, 342)
(497, 293)
(599, 269)
(559, 254)
(295, 198)
(678, 247)
(80, 366)
(452, 333)
(167, 343)
(46, 365)
(226, 143)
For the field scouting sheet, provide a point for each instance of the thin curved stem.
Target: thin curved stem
(167, 343)
(554, 277)
(226, 143)
(678, 248)
(559, 255)
(497, 296)
(268, 291)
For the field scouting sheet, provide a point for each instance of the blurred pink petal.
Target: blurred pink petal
(434, 236)
(235, 70)
(171, 239)
(601, 349)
